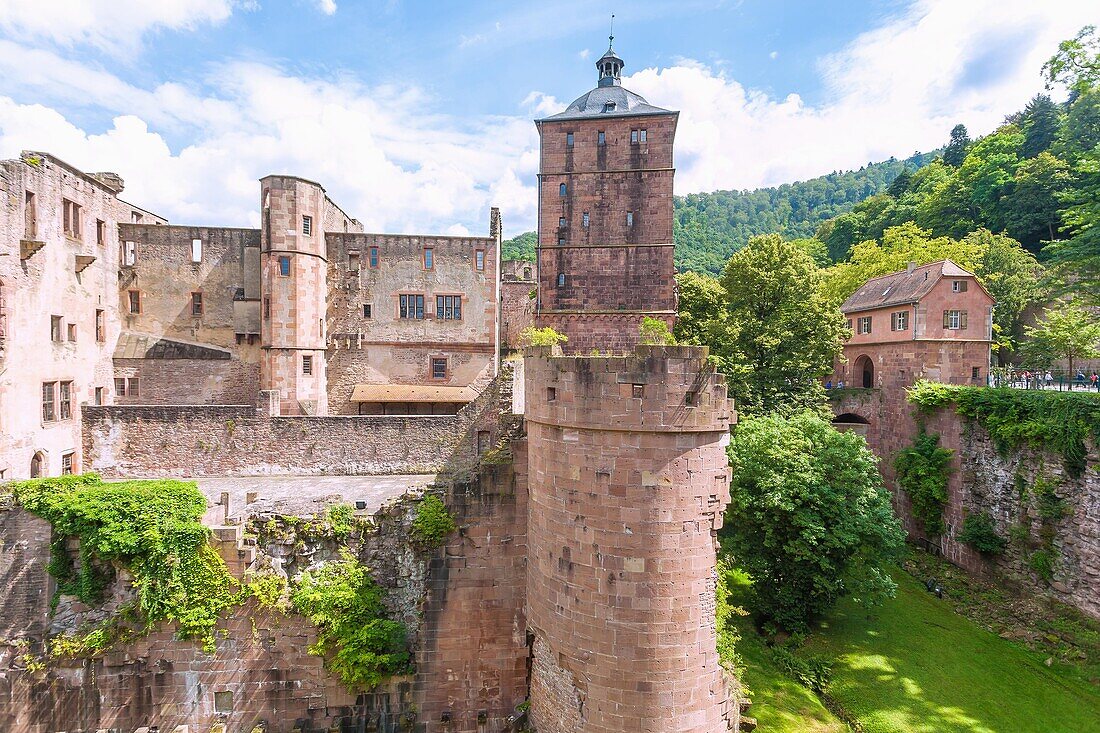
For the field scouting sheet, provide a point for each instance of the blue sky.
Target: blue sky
(417, 115)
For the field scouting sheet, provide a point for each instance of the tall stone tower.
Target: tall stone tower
(293, 290)
(628, 482)
(605, 215)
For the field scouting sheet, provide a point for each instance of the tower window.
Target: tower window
(366, 310)
(584, 220)
(100, 232)
(561, 241)
(634, 137)
(429, 259)
(439, 368)
(569, 139)
(196, 304)
(562, 189)
(642, 135)
(71, 218)
(55, 328)
(630, 218)
(307, 365)
(307, 225)
(100, 326)
(561, 222)
(196, 250)
(284, 266)
(601, 138)
(479, 260)
(561, 279)
(373, 257)
(267, 308)
(135, 301)
(353, 262)
(129, 254)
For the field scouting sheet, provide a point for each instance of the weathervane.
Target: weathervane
(611, 38)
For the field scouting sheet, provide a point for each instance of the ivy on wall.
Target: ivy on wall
(1060, 421)
(922, 472)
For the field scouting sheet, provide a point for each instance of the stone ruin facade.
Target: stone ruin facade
(308, 362)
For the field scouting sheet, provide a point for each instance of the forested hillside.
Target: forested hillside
(709, 227)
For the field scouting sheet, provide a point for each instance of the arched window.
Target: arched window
(562, 189)
(38, 464)
(864, 372)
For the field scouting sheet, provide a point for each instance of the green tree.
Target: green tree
(947, 208)
(1077, 63)
(702, 302)
(955, 152)
(1016, 281)
(780, 335)
(1077, 259)
(521, 247)
(809, 519)
(989, 171)
(1081, 132)
(1032, 214)
(1066, 331)
(1042, 119)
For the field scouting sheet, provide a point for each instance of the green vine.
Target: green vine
(980, 532)
(922, 472)
(1061, 421)
(153, 530)
(433, 523)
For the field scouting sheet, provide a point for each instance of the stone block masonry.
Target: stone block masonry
(628, 482)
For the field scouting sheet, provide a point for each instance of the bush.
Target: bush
(922, 471)
(346, 605)
(653, 332)
(531, 336)
(809, 519)
(1042, 562)
(341, 518)
(980, 532)
(433, 523)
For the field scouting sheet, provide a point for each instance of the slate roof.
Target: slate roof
(899, 288)
(595, 104)
(147, 346)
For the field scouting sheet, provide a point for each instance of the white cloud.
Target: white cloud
(583, 55)
(773, 55)
(328, 7)
(111, 25)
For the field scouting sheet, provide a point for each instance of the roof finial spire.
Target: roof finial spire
(610, 65)
(611, 38)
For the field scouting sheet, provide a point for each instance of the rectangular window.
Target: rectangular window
(66, 464)
(99, 395)
(135, 217)
(30, 218)
(561, 241)
(863, 324)
(561, 279)
(55, 328)
(70, 213)
(483, 438)
(196, 250)
(958, 286)
(954, 320)
(630, 218)
(120, 387)
(585, 220)
(975, 374)
(439, 368)
(65, 400)
(307, 225)
(71, 332)
(569, 139)
(196, 304)
(899, 321)
(479, 260)
(411, 306)
(48, 407)
(561, 222)
(100, 232)
(429, 259)
(634, 137)
(353, 262)
(562, 189)
(448, 307)
(366, 310)
(373, 257)
(132, 386)
(267, 309)
(307, 365)
(135, 301)
(129, 254)
(641, 136)
(601, 138)
(284, 266)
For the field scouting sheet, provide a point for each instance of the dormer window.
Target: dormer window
(958, 286)
(608, 106)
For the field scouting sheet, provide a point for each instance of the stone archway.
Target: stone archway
(863, 372)
(38, 465)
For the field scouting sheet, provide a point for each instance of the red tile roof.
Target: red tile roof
(901, 287)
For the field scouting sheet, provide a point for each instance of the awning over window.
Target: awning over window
(411, 393)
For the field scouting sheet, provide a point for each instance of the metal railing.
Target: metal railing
(1063, 380)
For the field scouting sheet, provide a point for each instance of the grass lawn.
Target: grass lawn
(919, 667)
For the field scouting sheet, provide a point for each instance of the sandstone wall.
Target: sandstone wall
(191, 381)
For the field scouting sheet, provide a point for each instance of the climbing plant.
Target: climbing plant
(432, 523)
(980, 532)
(152, 529)
(922, 472)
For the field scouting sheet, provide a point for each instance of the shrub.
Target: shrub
(346, 605)
(1042, 562)
(432, 523)
(980, 532)
(532, 336)
(654, 332)
(811, 672)
(922, 471)
(341, 518)
(728, 636)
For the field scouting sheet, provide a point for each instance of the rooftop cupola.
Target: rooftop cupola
(610, 66)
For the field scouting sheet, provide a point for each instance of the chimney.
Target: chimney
(910, 267)
(111, 181)
(494, 224)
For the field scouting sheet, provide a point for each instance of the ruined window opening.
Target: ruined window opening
(569, 139)
(601, 138)
(366, 310)
(637, 390)
(439, 367)
(37, 464)
(135, 217)
(561, 279)
(100, 232)
(958, 286)
(562, 189)
(483, 438)
(585, 220)
(66, 464)
(551, 394)
(49, 413)
(899, 321)
(307, 365)
(307, 225)
(99, 395)
(55, 328)
(689, 399)
(70, 211)
(65, 400)
(223, 701)
(411, 306)
(267, 308)
(448, 307)
(129, 254)
(479, 260)
(353, 262)
(71, 332)
(30, 217)
(100, 326)
(135, 301)
(527, 273)
(429, 258)
(196, 250)
(196, 304)
(863, 324)
(373, 257)
(284, 266)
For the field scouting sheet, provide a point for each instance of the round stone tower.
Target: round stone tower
(628, 482)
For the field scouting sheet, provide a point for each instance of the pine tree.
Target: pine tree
(955, 152)
(1042, 120)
